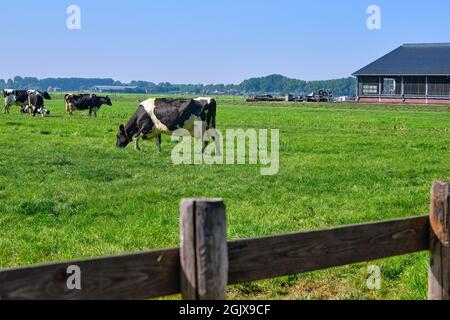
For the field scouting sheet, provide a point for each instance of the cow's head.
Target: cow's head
(106, 100)
(46, 95)
(123, 139)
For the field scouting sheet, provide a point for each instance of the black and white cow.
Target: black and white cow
(22, 98)
(28, 109)
(14, 97)
(164, 116)
(36, 102)
(85, 102)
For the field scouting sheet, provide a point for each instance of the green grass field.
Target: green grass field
(66, 192)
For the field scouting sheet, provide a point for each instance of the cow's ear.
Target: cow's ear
(122, 128)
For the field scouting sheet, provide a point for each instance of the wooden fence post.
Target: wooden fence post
(203, 252)
(439, 273)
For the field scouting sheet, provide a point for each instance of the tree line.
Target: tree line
(273, 84)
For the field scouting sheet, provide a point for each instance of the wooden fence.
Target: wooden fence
(206, 263)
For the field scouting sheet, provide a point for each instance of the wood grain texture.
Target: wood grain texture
(263, 258)
(188, 272)
(212, 250)
(135, 276)
(203, 252)
(157, 273)
(440, 211)
(439, 273)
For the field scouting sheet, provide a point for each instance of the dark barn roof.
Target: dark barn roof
(412, 60)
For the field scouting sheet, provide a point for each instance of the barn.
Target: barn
(117, 89)
(412, 73)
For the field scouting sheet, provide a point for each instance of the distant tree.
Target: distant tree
(273, 84)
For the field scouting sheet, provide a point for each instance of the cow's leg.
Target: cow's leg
(214, 135)
(218, 146)
(34, 110)
(95, 112)
(158, 143)
(205, 139)
(136, 142)
(69, 108)
(217, 143)
(205, 145)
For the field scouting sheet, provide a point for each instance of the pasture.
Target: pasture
(66, 192)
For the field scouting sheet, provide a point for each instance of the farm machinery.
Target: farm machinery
(319, 96)
(264, 97)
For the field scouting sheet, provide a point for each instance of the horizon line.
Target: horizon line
(172, 83)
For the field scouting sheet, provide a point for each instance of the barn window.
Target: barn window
(415, 86)
(439, 86)
(370, 89)
(392, 85)
(369, 85)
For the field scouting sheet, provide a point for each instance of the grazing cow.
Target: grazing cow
(14, 97)
(20, 98)
(85, 102)
(157, 116)
(27, 109)
(36, 102)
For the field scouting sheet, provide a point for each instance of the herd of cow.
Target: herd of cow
(32, 102)
(153, 117)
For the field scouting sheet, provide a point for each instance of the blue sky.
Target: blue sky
(205, 41)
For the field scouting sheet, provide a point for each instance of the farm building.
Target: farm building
(412, 73)
(115, 89)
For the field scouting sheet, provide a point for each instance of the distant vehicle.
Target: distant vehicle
(320, 96)
(264, 97)
(291, 98)
(297, 99)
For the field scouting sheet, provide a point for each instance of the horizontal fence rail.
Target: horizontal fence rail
(135, 276)
(263, 258)
(156, 273)
(206, 263)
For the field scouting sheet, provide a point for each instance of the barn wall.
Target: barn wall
(407, 101)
